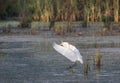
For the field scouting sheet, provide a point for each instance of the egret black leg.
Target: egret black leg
(73, 65)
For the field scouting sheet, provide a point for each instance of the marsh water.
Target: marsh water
(31, 59)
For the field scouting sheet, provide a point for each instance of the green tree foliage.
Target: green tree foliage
(8, 8)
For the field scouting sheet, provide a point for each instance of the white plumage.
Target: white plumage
(69, 51)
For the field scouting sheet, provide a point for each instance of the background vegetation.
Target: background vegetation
(61, 10)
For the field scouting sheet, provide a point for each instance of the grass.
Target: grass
(6, 23)
(36, 23)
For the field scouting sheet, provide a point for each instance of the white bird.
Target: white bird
(69, 51)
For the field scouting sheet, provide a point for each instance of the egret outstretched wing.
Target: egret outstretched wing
(71, 54)
(77, 53)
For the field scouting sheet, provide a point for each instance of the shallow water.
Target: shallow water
(35, 61)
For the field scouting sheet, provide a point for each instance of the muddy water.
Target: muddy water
(33, 60)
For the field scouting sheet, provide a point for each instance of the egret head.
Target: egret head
(64, 44)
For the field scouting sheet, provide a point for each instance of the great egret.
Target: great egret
(69, 51)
